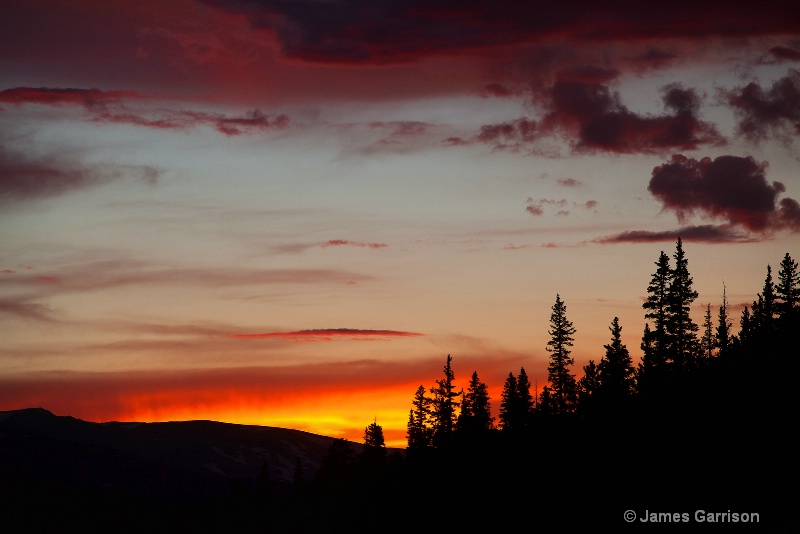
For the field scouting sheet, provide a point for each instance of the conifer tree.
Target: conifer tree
(545, 404)
(587, 389)
(707, 342)
(476, 408)
(508, 404)
(615, 371)
(763, 324)
(443, 406)
(682, 331)
(524, 397)
(651, 371)
(373, 436)
(374, 452)
(787, 290)
(657, 306)
(745, 329)
(419, 430)
(563, 387)
(723, 336)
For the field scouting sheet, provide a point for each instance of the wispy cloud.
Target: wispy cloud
(699, 234)
(109, 107)
(347, 243)
(330, 334)
(26, 177)
(25, 309)
(109, 274)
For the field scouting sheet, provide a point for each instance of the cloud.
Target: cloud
(536, 206)
(600, 122)
(330, 334)
(784, 53)
(90, 98)
(388, 31)
(25, 177)
(765, 114)
(728, 187)
(699, 234)
(24, 309)
(346, 243)
(592, 118)
(183, 120)
(569, 182)
(109, 107)
(108, 274)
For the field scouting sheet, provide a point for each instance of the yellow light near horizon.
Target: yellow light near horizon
(339, 415)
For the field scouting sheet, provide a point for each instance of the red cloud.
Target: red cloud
(90, 98)
(330, 335)
(728, 187)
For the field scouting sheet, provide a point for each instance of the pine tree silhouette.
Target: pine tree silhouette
(563, 387)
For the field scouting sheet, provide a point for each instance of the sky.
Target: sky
(289, 212)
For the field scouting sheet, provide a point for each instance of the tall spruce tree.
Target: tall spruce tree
(657, 310)
(724, 325)
(563, 387)
(476, 408)
(681, 330)
(615, 371)
(764, 325)
(419, 429)
(443, 406)
(787, 291)
(707, 342)
(508, 404)
(524, 397)
(746, 334)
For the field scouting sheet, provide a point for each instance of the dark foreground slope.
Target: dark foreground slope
(61, 472)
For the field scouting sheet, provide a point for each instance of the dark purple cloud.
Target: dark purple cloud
(784, 53)
(729, 187)
(509, 135)
(592, 118)
(700, 234)
(25, 177)
(391, 31)
(772, 113)
(596, 117)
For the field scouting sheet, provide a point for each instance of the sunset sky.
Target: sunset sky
(289, 212)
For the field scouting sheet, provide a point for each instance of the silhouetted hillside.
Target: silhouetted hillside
(125, 476)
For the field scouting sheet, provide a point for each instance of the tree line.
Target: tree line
(676, 351)
(703, 421)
